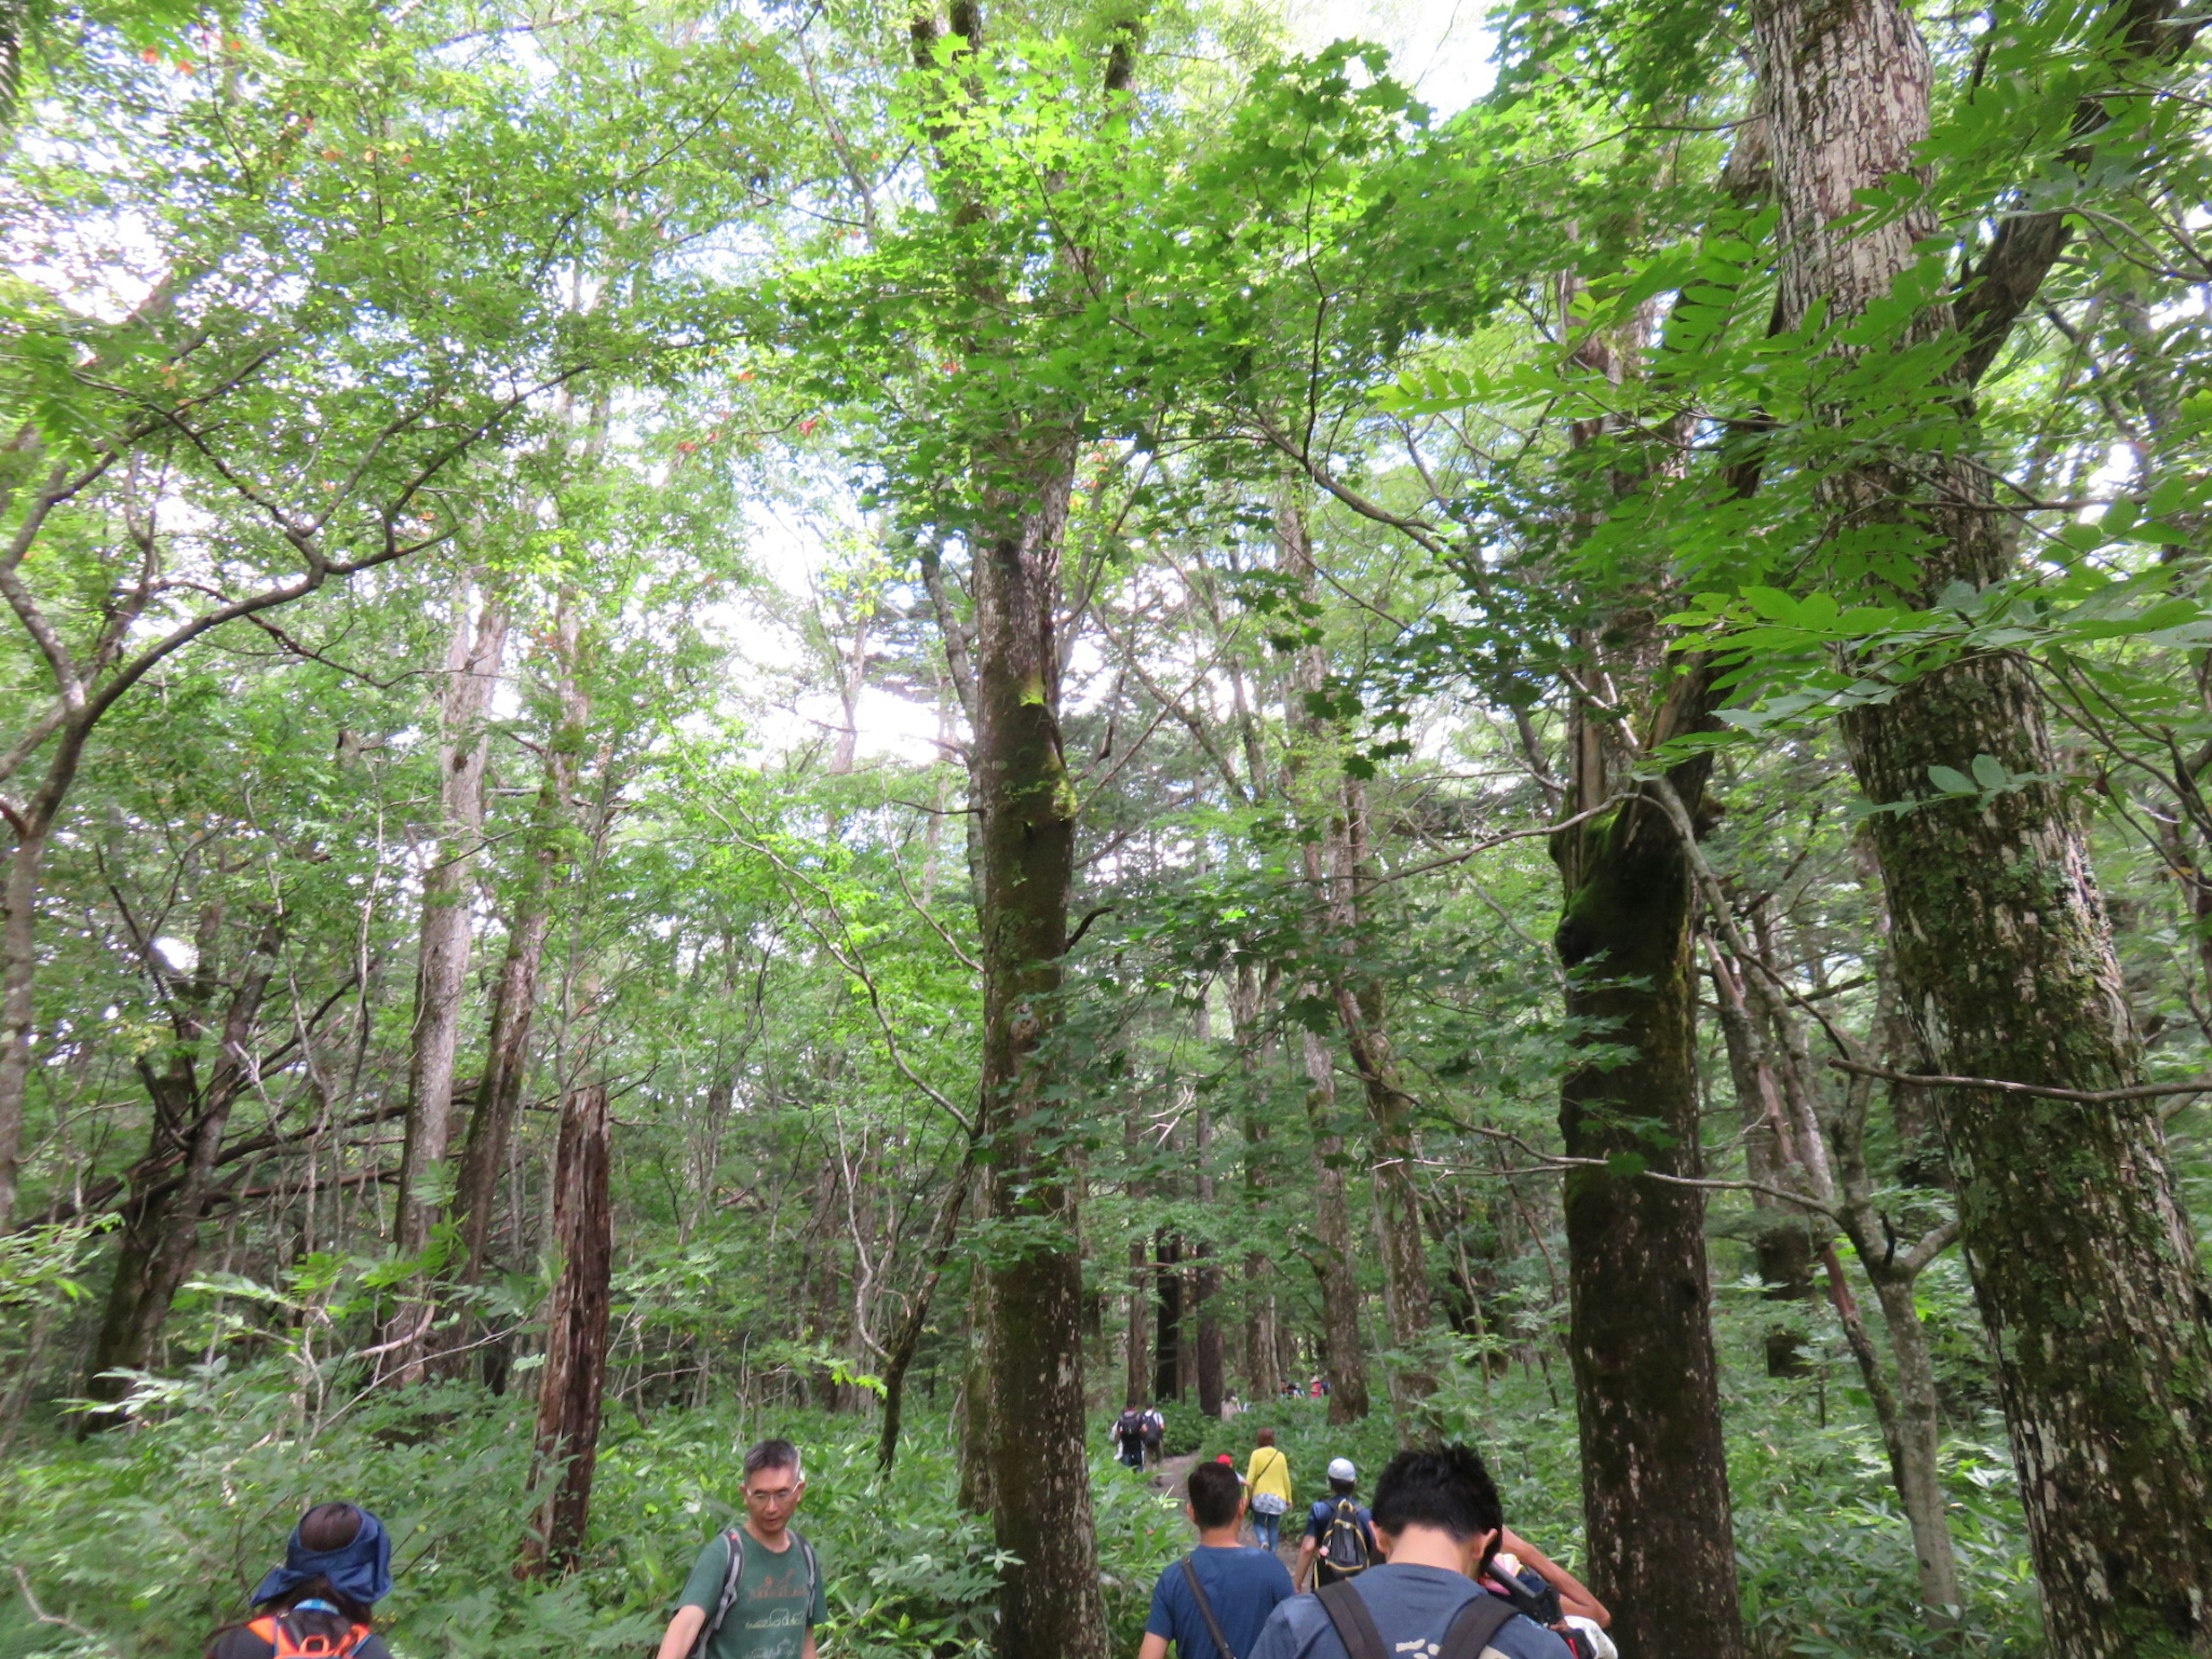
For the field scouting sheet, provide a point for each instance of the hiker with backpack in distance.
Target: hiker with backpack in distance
(756, 1591)
(1127, 1435)
(1439, 1521)
(1156, 1436)
(336, 1565)
(1339, 1539)
(1212, 1603)
(1267, 1489)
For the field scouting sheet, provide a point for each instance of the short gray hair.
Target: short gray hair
(774, 1454)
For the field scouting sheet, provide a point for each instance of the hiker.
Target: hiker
(1546, 1592)
(756, 1591)
(336, 1565)
(1339, 1534)
(1267, 1490)
(1156, 1434)
(1212, 1603)
(1128, 1436)
(1437, 1519)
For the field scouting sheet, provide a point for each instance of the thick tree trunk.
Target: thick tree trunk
(1655, 1473)
(2085, 1266)
(1039, 1458)
(472, 661)
(573, 1380)
(1344, 1356)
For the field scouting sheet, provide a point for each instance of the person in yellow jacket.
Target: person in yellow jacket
(1268, 1488)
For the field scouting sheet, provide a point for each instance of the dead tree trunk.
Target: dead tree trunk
(575, 1372)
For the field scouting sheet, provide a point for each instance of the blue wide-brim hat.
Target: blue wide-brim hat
(361, 1569)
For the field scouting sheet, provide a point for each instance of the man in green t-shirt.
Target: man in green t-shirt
(778, 1598)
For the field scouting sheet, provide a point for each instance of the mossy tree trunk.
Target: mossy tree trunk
(2084, 1265)
(1654, 1472)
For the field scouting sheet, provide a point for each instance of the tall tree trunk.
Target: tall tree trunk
(1168, 1345)
(1655, 1473)
(2084, 1265)
(1263, 1376)
(1338, 870)
(574, 1376)
(473, 660)
(1039, 1459)
(1344, 1356)
(899, 1356)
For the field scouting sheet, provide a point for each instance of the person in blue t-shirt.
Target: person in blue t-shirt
(1438, 1520)
(1220, 1589)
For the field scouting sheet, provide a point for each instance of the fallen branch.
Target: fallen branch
(2086, 1096)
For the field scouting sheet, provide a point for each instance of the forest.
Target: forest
(895, 722)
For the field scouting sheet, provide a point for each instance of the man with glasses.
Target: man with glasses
(756, 1591)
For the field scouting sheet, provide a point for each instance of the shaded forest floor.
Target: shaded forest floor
(144, 1540)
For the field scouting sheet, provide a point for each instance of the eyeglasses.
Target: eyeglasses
(773, 1497)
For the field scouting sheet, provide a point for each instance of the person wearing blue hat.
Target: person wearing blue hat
(317, 1605)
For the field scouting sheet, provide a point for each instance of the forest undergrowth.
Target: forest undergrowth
(139, 1542)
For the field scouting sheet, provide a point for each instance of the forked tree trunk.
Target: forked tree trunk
(574, 1377)
(2084, 1265)
(1654, 1472)
(1344, 1356)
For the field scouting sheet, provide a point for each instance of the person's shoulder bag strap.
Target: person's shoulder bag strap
(1206, 1607)
(1355, 1625)
(1476, 1623)
(813, 1565)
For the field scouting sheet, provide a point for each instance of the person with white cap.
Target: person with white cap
(1339, 1539)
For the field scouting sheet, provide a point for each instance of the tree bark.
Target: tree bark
(899, 1356)
(1039, 1460)
(161, 1225)
(574, 1377)
(1263, 1375)
(472, 662)
(1344, 1356)
(1654, 1472)
(2085, 1266)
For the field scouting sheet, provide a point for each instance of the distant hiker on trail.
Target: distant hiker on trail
(337, 1565)
(1267, 1490)
(1437, 1519)
(1127, 1435)
(1339, 1533)
(1212, 1603)
(756, 1591)
(1156, 1434)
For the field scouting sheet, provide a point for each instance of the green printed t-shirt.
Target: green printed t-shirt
(772, 1612)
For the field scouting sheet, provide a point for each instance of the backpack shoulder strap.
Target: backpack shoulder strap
(1206, 1607)
(813, 1565)
(734, 1540)
(1476, 1623)
(1355, 1626)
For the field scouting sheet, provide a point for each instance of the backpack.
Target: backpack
(1344, 1545)
(1156, 1430)
(736, 1540)
(1469, 1633)
(1129, 1426)
(286, 1643)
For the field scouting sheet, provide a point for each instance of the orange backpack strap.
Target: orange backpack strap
(265, 1628)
